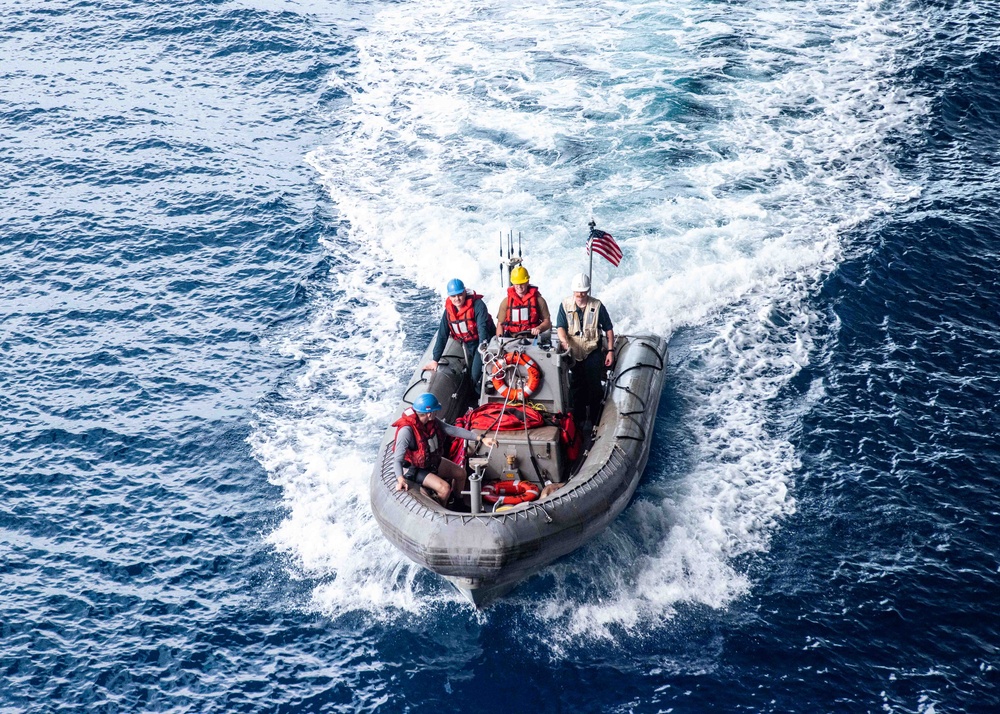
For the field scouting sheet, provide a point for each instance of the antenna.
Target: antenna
(501, 258)
(512, 261)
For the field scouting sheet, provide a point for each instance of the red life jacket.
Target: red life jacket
(522, 312)
(432, 441)
(568, 435)
(462, 320)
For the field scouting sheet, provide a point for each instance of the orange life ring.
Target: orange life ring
(531, 383)
(510, 493)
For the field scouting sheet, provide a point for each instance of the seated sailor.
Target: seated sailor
(420, 445)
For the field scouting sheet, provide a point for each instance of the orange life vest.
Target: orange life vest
(462, 320)
(431, 441)
(522, 312)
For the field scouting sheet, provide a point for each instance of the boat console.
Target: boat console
(533, 454)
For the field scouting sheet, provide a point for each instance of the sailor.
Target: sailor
(581, 324)
(524, 309)
(466, 319)
(420, 445)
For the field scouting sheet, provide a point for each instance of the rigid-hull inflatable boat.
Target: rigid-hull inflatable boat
(488, 551)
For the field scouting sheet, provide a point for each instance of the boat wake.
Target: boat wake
(732, 151)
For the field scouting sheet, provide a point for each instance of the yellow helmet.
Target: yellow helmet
(519, 275)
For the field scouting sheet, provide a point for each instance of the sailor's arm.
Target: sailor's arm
(501, 317)
(404, 441)
(562, 330)
(459, 433)
(482, 314)
(439, 343)
(543, 312)
(604, 323)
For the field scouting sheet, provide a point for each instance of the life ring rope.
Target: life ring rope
(507, 385)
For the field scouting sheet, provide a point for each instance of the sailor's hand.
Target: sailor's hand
(401, 484)
(564, 345)
(609, 358)
(535, 331)
(432, 365)
(489, 441)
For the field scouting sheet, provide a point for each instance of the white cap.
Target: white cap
(581, 283)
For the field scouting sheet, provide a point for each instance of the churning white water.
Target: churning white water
(729, 149)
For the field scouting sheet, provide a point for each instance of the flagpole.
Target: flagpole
(590, 272)
(590, 250)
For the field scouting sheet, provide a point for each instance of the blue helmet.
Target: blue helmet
(455, 287)
(426, 403)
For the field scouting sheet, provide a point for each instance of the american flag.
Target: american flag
(604, 245)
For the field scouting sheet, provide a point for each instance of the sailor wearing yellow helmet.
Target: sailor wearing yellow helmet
(524, 309)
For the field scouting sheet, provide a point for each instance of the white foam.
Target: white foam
(731, 200)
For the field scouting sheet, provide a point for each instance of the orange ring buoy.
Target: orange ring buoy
(531, 384)
(510, 493)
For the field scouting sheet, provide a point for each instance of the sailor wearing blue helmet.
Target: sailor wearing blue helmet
(421, 446)
(466, 319)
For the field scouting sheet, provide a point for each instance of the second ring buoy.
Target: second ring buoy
(510, 493)
(531, 383)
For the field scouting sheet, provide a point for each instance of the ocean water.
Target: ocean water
(225, 232)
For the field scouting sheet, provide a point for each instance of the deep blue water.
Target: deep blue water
(225, 229)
